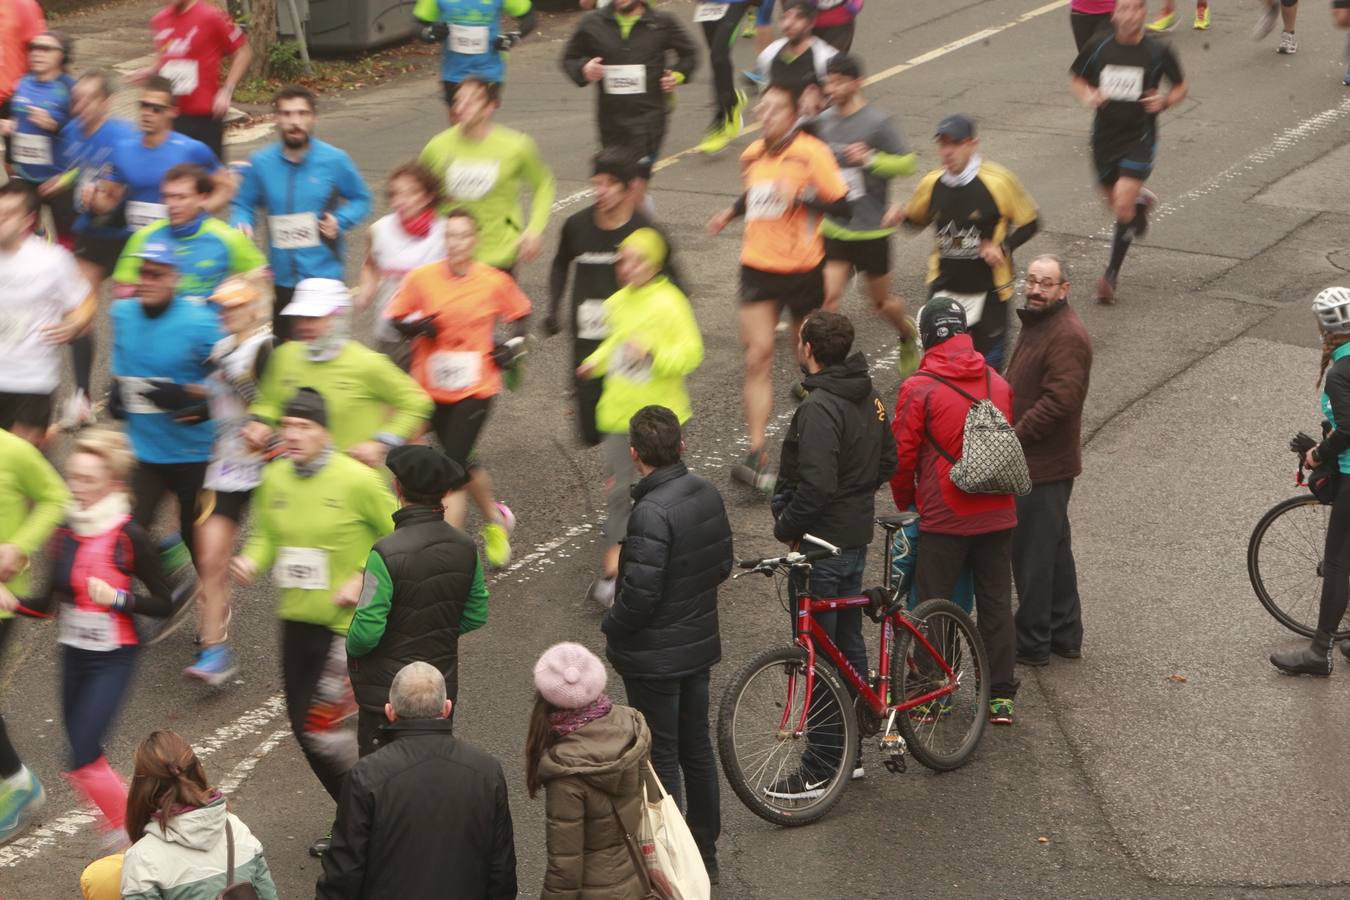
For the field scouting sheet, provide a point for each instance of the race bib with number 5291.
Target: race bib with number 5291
(305, 568)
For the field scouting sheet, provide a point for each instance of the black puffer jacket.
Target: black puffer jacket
(425, 816)
(839, 449)
(678, 551)
(430, 580)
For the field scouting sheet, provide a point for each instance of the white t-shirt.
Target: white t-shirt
(39, 284)
(395, 254)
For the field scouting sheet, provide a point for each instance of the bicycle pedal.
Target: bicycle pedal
(894, 764)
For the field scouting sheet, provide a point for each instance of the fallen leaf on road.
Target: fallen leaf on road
(1179, 679)
(1042, 840)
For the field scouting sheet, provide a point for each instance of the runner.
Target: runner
(1167, 17)
(372, 406)
(412, 234)
(590, 238)
(85, 149)
(653, 344)
(191, 38)
(40, 108)
(237, 363)
(799, 58)
(790, 180)
(485, 166)
(475, 45)
(762, 31)
(1120, 78)
(208, 251)
(33, 502)
(981, 214)
(44, 302)
(137, 168)
(318, 513)
(721, 21)
(626, 50)
(313, 195)
(836, 21)
(449, 310)
(870, 152)
(1288, 15)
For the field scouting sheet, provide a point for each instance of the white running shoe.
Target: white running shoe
(1287, 43)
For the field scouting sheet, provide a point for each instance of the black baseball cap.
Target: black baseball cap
(958, 127)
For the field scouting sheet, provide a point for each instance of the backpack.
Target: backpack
(992, 461)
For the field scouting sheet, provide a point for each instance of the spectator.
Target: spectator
(1048, 374)
(423, 588)
(662, 630)
(426, 815)
(957, 529)
(587, 754)
(187, 845)
(839, 449)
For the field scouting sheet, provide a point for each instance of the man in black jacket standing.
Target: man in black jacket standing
(839, 449)
(626, 48)
(423, 588)
(662, 630)
(426, 816)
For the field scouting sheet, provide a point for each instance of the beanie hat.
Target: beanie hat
(424, 471)
(307, 404)
(941, 318)
(569, 676)
(648, 244)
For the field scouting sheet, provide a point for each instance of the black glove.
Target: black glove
(779, 502)
(170, 397)
(435, 32)
(423, 327)
(115, 407)
(506, 40)
(550, 325)
(505, 354)
(1301, 443)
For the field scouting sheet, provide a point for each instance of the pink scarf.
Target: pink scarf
(566, 721)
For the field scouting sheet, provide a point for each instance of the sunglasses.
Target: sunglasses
(53, 47)
(153, 107)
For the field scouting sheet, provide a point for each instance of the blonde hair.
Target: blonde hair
(111, 447)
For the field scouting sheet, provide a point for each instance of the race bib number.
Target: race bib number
(591, 324)
(764, 201)
(454, 371)
(853, 177)
(632, 364)
(625, 79)
(182, 73)
(709, 12)
(303, 568)
(959, 243)
(294, 232)
(86, 629)
(471, 179)
(133, 391)
(141, 214)
(1124, 83)
(972, 303)
(470, 40)
(233, 475)
(14, 328)
(31, 149)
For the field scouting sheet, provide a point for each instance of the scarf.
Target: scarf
(419, 226)
(100, 516)
(566, 721)
(315, 465)
(330, 345)
(966, 177)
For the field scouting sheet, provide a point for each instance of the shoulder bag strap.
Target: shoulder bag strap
(929, 435)
(634, 854)
(939, 378)
(229, 853)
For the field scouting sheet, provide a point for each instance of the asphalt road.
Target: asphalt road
(1117, 780)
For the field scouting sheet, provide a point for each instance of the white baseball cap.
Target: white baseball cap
(318, 297)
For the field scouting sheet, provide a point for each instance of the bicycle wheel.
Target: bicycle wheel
(944, 732)
(1284, 562)
(787, 778)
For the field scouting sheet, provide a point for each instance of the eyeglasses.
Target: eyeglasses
(153, 107)
(1039, 282)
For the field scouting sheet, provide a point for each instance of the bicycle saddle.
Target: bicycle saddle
(899, 520)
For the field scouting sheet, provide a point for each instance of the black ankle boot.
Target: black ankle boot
(1314, 659)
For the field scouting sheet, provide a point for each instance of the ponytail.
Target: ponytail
(168, 779)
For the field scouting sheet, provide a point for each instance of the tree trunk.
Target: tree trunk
(262, 35)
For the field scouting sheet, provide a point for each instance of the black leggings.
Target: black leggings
(151, 481)
(721, 37)
(1086, 25)
(1336, 565)
(318, 696)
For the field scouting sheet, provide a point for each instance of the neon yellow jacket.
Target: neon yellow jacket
(33, 500)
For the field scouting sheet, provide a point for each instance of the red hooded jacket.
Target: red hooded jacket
(923, 475)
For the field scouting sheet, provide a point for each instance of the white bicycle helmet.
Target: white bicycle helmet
(1332, 307)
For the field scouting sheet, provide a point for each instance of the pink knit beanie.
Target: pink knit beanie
(569, 676)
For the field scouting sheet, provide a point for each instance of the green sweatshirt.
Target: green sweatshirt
(359, 386)
(33, 501)
(485, 177)
(377, 593)
(304, 526)
(657, 320)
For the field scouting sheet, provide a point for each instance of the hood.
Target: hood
(197, 829)
(849, 379)
(600, 752)
(954, 358)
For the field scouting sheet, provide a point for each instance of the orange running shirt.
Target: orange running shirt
(781, 235)
(458, 363)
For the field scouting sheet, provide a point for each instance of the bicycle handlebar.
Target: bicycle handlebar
(795, 558)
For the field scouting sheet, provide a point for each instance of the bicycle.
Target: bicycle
(788, 711)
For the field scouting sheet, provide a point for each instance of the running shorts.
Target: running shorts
(871, 256)
(230, 504)
(457, 426)
(207, 129)
(800, 292)
(101, 251)
(1132, 160)
(33, 410)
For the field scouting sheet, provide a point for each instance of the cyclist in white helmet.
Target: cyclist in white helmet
(1332, 308)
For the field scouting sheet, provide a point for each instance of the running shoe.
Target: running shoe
(797, 786)
(215, 665)
(736, 119)
(1201, 22)
(321, 845)
(1346, 80)
(754, 77)
(749, 30)
(931, 712)
(1269, 16)
(1001, 711)
(1288, 44)
(76, 412)
(18, 806)
(1147, 200)
(799, 392)
(717, 138)
(1106, 289)
(858, 772)
(754, 471)
(911, 355)
(1164, 23)
(601, 592)
(508, 517)
(496, 544)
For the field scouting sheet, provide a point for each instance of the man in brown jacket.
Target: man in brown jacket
(1049, 378)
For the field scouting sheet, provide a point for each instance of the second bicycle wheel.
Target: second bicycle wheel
(784, 777)
(1284, 562)
(941, 733)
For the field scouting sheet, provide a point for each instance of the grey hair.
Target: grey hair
(418, 692)
(1057, 260)
(107, 82)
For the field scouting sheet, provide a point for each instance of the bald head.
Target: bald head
(418, 692)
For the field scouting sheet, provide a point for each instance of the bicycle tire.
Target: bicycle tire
(943, 620)
(744, 777)
(1297, 613)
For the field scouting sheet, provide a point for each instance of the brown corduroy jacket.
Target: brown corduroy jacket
(1049, 378)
